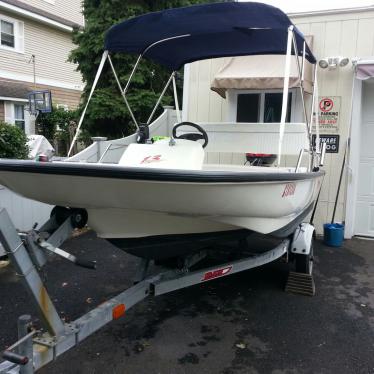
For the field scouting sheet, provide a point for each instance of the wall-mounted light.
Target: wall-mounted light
(333, 62)
(323, 64)
(343, 61)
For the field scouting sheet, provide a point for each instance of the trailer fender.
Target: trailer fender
(302, 239)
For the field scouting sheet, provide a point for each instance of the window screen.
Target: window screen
(7, 34)
(248, 109)
(19, 116)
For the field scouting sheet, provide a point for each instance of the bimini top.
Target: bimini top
(174, 37)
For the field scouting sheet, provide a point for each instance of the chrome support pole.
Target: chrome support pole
(315, 111)
(132, 74)
(301, 85)
(123, 92)
(303, 63)
(164, 40)
(323, 153)
(313, 96)
(99, 70)
(176, 100)
(160, 98)
(301, 154)
(285, 92)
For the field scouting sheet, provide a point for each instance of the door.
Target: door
(364, 220)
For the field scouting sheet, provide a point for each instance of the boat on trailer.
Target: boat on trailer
(161, 198)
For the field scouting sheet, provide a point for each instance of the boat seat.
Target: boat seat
(184, 155)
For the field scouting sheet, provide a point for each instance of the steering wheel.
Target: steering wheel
(191, 136)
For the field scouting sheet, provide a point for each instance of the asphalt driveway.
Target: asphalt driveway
(244, 323)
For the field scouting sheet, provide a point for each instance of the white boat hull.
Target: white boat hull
(133, 208)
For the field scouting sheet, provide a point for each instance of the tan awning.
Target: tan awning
(260, 73)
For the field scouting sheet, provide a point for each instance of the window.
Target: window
(16, 114)
(273, 107)
(248, 109)
(19, 116)
(7, 34)
(65, 107)
(262, 107)
(11, 34)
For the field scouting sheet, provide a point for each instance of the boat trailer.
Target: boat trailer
(28, 253)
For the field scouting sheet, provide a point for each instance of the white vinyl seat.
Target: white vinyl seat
(184, 155)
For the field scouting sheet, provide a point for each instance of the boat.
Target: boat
(153, 194)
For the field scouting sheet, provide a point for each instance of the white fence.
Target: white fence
(23, 212)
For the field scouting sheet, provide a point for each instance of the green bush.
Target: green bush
(12, 142)
(58, 127)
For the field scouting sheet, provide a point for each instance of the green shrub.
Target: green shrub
(58, 127)
(12, 142)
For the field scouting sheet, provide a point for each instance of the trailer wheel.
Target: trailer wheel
(61, 214)
(304, 263)
(79, 218)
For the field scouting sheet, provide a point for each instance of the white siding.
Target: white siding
(349, 35)
(204, 104)
(68, 9)
(51, 48)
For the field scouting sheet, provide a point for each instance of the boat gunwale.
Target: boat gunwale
(154, 174)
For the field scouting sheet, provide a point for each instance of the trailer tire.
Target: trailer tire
(304, 263)
(79, 218)
(60, 213)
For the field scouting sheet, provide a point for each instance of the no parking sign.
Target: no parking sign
(329, 114)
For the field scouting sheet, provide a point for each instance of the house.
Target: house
(343, 44)
(34, 48)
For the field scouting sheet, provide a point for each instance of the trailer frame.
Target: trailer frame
(27, 252)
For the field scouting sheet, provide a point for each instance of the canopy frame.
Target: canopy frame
(291, 45)
(106, 56)
(123, 92)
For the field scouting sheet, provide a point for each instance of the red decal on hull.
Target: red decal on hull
(216, 273)
(149, 159)
(289, 189)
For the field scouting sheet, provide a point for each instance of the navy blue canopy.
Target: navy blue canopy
(174, 37)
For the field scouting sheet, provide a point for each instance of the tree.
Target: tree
(107, 114)
(12, 142)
